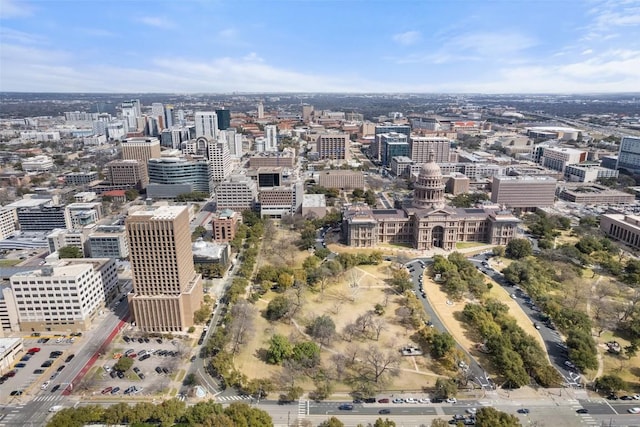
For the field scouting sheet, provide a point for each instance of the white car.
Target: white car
(424, 400)
(635, 410)
(45, 385)
(452, 400)
(410, 400)
(471, 411)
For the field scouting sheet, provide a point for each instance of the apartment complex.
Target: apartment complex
(239, 193)
(625, 228)
(166, 289)
(333, 146)
(224, 225)
(524, 193)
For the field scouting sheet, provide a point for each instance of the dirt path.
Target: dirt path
(599, 348)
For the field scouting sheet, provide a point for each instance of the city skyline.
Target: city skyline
(320, 46)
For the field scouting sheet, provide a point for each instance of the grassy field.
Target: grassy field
(466, 245)
(9, 262)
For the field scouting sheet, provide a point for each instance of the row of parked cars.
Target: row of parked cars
(115, 390)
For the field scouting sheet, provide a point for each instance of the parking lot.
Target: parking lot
(29, 371)
(159, 366)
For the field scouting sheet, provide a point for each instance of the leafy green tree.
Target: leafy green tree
(331, 422)
(123, 364)
(498, 251)
(322, 328)
(322, 253)
(190, 380)
(131, 194)
(279, 349)
(446, 388)
(441, 344)
(518, 248)
(632, 273)
(491, 417)
(610, 383)
(244, 415)
(370, 197)
(278, 308)
(384, 423)
(70, 252)
(307, 353)
(401, 280)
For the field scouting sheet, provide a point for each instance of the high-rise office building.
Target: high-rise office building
(131, 111)
(307, 112)
(166, 288)
(141, 149)
(422, 147)
(219, 161)
(260, 110)
(333, 146)
(157, 112)
(392, 145)
(224, 119)
(629, 154)
(271, 138)
(206, 124)
(168, 116)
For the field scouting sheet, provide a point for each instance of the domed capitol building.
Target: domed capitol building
(427, 223)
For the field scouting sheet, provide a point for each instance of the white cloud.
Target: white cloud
(14, 36)
(587, 52)
(407, 38)
(156, 21)
(14, 9)
(228, 33)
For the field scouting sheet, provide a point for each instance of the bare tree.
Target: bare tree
(339, 362)
(351, 353)
(379, 362)
(350, 331)
(243, 315)
(378, 326)
(363, 322)
(354, 278)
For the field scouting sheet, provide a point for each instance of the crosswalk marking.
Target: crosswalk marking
(45, 398)
(230, 398)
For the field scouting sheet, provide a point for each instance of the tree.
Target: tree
(322, 328)
(379, 362)
(190, 380)
(331, 422)
(446, 388)
(491, 417)
(279, 349)
(131, 194)
(439, 422)
(70, 252)
(518, 248)
(307, 353)
(401, 280)
(278, 308)
(384, 423)
(610, 383)
(243, 415)
(243, 315)
(123, 364)
(441, 344)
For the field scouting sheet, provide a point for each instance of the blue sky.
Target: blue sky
(462, 46)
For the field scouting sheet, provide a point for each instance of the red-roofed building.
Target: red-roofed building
(116, 195)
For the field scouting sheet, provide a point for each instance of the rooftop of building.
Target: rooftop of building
(314, 201)
(159, 212)
(28, 203)
(57, 270)
(8, 343)
(536, 178)
(226, 214)
(205, 249)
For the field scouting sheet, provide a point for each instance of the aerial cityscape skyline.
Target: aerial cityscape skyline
(315, 46)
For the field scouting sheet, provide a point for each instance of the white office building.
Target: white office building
(271, 138)
(206, 124)
(629, 154)
(219, 161)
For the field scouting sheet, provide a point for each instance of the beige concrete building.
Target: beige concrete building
(64, 296)
(238, 193)
(141, 149)
(594, 194)
(525, 193)
(422, 147)
(127, 173)
(456, 183)
(341, 179)
(333, 146)
(625, 228)
(166, 288)
(427, 223)
(314, 206)
(284, 159)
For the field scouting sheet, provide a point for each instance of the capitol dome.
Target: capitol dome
(430, 169)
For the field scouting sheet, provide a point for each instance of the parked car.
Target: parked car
(523, 411)
(69, 358)
(398, 400)
(21, 365)
(33, 350)
(115, 390)
(106, 390)
(384, 400)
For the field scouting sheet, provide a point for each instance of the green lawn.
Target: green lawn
(9, 262)
(465, 245)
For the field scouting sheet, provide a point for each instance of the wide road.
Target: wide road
(36, 411)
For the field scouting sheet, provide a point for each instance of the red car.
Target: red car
(107, 390)
(133, 355)
(383, 401)
(33, 350)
